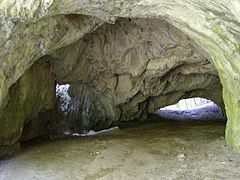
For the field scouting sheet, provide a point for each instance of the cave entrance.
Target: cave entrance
(63, 97)
(192, 109)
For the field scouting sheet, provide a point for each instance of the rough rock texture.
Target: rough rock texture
(37, 27)
(27, 42)
(31, 95)
(124, 71)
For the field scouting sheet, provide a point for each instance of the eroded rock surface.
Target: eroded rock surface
(33, 94)
(122, 73)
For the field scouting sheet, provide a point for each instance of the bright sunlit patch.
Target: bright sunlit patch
(192, 109)
(188, 104)
(62, 94)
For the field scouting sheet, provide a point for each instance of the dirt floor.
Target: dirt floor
(162, 149)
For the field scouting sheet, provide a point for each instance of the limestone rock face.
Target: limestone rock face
(23, 43)
(127, 70)
(31, 95)
(117, 67)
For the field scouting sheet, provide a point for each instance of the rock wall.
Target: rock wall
(32, 95)
(22, 43)
(125, 71)
(29, 30)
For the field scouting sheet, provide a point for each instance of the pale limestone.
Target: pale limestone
(28, 31)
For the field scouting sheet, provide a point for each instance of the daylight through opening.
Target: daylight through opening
(193, 109)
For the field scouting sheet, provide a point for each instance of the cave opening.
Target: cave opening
(117, 78)
(63, 98)
(193, 109)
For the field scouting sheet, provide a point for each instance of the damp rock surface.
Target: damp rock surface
(159, 150)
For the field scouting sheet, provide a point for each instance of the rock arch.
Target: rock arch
(215, 26)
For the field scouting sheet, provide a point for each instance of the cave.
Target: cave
(106, 70)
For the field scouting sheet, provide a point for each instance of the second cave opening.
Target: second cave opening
(193, 109)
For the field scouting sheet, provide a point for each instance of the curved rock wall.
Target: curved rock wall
(31, 95)
(29, 30)
(23, 43)
(124, 71)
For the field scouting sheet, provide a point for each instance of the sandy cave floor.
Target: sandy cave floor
(162, 149)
